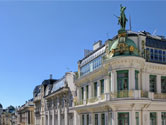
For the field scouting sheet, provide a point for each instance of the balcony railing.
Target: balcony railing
(160, 96)
(125, 94)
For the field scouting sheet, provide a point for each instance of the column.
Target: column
(114, 117)
(143, 80)
(106, 119)
(78, 93)
(48, 116)
(85, 119)
(92, 121)
(147, 82)
(66, 115)
(131, 79)
(53, 117)
(158, 83)
(59, 112)
(90, 90)
(99, 118)
(132, 117)
(159, 120)
(76, 118)
(106, 85)
(145, 117)
(98, 88)
(85, 93)
(113, 81)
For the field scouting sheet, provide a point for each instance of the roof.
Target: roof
(1, 106)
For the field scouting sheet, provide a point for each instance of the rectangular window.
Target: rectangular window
(102, 119)
(137, 118)
(122, 78)
(153, 118)
(82, 92)
(95, 89)
(96, 119)
(156, 55)
(151, 54)
(87, 119)
(102, 86)
(163, 84)
(163, 116)
(87, 92)
(136, 80)
(123, 118)
(82, 119)
(153, 83)
(122, 83)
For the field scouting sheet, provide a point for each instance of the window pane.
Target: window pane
(163, 116)
(163, 84)
(136, 80)
(96, 119)
(95, 89)
(152, 83)
(153, 118)
(102, 86)
(123, 118)
(137, 118)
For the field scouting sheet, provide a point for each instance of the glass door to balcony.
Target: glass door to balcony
(122, 83)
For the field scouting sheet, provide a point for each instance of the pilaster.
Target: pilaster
(159, 120)
(114, 117)
(113, 81)
(53, 117)
(106, 85)
(92, 116)
(48, 116)
(66, 115)
(131, 79)
(98, 88)
(158, 83)
(90, 90)
(99, 118)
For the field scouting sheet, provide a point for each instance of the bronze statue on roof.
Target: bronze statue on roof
(122, 19)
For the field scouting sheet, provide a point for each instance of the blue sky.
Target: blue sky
(38, 38)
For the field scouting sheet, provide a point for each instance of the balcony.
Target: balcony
(160, 96)
(123, 95)
(37, 98)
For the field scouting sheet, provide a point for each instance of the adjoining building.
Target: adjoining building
(123, 81)
(39, 101)
(25, 114)
(7, 116)
(53, 100)
(59, 101)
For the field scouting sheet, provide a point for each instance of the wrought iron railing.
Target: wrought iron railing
(78, 102)
(144, 94)
(160, 96)
(93, 99)
(122, 94)
(102, 96)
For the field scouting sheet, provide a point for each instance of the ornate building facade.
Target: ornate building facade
(25, 114)
(53, 101)
(123, 82)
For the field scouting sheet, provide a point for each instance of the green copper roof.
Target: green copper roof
(126, 48)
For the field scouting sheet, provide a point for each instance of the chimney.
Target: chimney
(50, 76)
(97, 44)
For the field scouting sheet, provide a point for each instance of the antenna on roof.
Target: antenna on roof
(130, 22)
